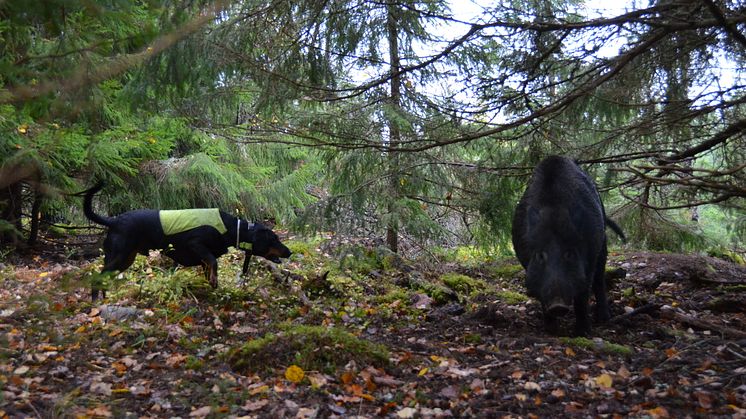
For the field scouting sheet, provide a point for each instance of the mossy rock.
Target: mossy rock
(506, 270)
(462, 284)
(439, 293)
(310, 347)
(727, 255)
(511, 297)
(600, 346)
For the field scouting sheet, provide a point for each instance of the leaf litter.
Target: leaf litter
(479, 355)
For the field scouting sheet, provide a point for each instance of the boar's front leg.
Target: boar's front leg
(582, 317)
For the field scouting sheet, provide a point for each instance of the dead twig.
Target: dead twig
(287, 277)
(646, 309)
(725, 331)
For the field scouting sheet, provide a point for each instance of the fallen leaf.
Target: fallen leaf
(119, 367)
(317, 380)
(531, 386)
(251, 406)
(306, 413)
(175, 360)
(21, 370)
(604, 380)
(672, 352)
(100, 411)
(569, 351)
(558, 393)
(406, 413)
(450, 392)
(294, 373)
(257, 389)
(659, 412)
(423, 371)
(705, 399)
(201, 412)
(347, 377)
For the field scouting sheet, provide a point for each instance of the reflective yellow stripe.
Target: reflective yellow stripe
(177, 221)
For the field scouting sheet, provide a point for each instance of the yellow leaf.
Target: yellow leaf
(22, 129)
(368, 397)
(604, 380)
(43, 274)
(569, 351)
(294, 373)
(81, 329)
(258, 390)
(423, 371)
(436, 358)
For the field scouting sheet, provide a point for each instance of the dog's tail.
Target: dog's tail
(618, 230)
(88, 206)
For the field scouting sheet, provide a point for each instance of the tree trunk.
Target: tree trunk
(11, 202)
(392, 229)
(35, 219)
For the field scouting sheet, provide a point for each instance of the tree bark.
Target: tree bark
(11, 202)
(35, 219)
(392, 229)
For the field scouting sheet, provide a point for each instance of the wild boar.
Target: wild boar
(560, 239)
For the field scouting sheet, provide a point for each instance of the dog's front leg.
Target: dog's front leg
(209, 262)
(246, 262)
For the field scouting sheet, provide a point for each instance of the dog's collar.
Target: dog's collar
(246, 245)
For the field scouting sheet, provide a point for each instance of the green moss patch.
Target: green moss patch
(601, 346)
(506, 270)
(511, 297)
(310, 347)
(462, 284)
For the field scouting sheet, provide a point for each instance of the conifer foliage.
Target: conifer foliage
(405, 120)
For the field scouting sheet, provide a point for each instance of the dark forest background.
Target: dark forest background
(408, 121)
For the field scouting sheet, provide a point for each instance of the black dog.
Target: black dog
(189, 237)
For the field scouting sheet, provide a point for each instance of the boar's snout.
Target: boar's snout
(558, 309)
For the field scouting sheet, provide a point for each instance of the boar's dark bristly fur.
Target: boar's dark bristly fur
(559, 237)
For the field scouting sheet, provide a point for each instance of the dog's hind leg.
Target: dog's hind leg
(209, 262)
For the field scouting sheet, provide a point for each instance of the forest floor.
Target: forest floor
(455, 338)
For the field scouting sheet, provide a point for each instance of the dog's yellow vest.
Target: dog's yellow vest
(177, 221)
